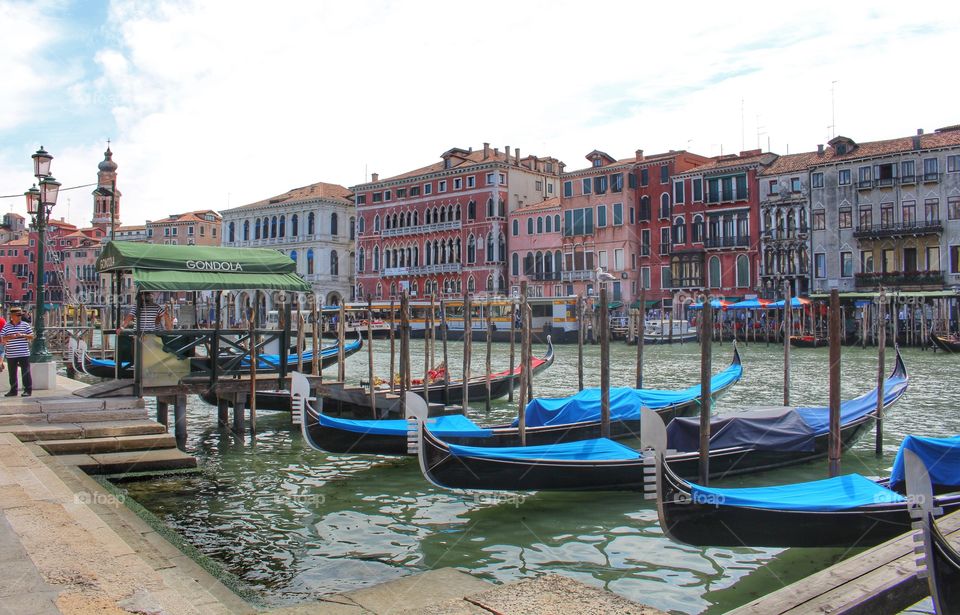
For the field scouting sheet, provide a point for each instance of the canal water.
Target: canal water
(293, 524)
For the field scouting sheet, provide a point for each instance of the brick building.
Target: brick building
(442, 228)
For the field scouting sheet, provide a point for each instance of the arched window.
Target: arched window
(515, 270)
(529, 226)
(471, 250)
(379, 290)
(696, 229)
(230, 232)
(743, 271)
(714, 272)
(283, 226)
(490, 253)
(427, 253)
(427, 217)
(456, 212)
(311, 224)
(538, 263)
(361, 226)
(556, 223)
(557, 263)
(501, 248)
(353, 228)
(528, 264)
(310, 261)
(293, 257)
(516, 228)
(246, 230)
(376, 223)
(471, 285)
(416, 256)
(549, 228)
(294, 225)
(501, 210)
(333, 224)
(416, 218)
(457, 252)
(273, 227)
(256, 230)
(679, 231)
(489, 283)
(539, 225)
(334, 263)
(490, 212)
(360, 256)
(376, 258)
(472, 210)
(665, 205)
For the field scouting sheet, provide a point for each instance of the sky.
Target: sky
(216, 104)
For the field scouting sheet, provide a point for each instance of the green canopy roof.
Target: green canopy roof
(173, 268)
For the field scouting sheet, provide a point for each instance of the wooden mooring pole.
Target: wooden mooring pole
(580, 308)
(489, 353)
(834, 443)
(604, 364)
(393, 350)
(706, 357)
(254, 359)
(787, 330)
(404, 349)
(881, 367)
(446, 364)
(467, 348)
(641, 321)
(341, 350)
(315, 361)
(373, 388)
(524, 374)
(513, 335)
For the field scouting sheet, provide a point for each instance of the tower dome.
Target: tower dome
(108, 165)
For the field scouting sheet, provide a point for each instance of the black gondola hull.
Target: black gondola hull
(945, 343)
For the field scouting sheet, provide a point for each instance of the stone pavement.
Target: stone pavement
(59, 555)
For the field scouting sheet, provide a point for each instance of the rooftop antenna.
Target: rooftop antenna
(833, 109)
(760, 131)
(743, 138)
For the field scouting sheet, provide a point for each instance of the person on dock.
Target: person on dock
(152, 318)
(16, 336)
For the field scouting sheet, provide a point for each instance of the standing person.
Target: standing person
(3, 323)
(16, 336)
(152, 318)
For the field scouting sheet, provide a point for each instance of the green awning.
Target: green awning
(648, 304)
(615, 305)
(175, 268)
(146, 279)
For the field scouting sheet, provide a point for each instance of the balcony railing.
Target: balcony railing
(931, 178)
(899, 278)
(548, 276)
(893, 229)
(422, 228)
(580, 274)
(736, 241)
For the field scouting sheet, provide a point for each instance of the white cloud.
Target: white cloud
(231, 102)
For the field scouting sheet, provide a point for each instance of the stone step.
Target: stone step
(43, 431)
(98, 416)
(18, 405)
(21, 419)
(136, 427)
(109, 444)
(133, 461)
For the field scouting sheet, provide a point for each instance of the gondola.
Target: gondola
(743, 442)
(500, 382)
(843, 511)
(950, 343)
(808, 341)
(280, 400)
(941, 562)
(548, 421)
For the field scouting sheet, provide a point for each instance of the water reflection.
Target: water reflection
(294, 523)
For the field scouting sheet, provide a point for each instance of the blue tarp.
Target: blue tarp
(625, 403)
(268, 361)
(794, 302)
(714, 303)
(838, 493)
(779, 429)
(106, 362)
(747, 304)
(452, 426)
(581, 450)
(940, 455)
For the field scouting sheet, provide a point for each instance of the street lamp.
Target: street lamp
(39, 205)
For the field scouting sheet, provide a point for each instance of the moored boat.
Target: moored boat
(808, 341)
(950, 343)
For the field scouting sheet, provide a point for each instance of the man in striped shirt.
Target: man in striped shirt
(16, 336)
(151, 318)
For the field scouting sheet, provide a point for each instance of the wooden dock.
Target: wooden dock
(879, 580)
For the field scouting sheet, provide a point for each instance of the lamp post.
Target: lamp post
(39, 205)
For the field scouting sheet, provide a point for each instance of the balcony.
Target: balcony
(931, 178)
(453, 225)
(574, 276)
(912, 227)
(439, 268)
(899, 279)
(736, 241)
(548, 276)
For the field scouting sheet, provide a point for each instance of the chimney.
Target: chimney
(486, 150)
(516, 156)
(916, 141)
(819, 149)
(496, 152)
(374, 177)
(640, 156)
(506, 152)
(919, 131)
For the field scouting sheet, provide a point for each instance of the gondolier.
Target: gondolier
(151, 318)
(16, 336)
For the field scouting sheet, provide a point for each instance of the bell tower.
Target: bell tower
(106, 197)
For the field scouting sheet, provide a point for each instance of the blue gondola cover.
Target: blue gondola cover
(940, 455)
(597, 449)
(779, 429)
(625, 402)
(451, 426)
(838, 493)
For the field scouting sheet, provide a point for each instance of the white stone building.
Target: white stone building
(314, 225)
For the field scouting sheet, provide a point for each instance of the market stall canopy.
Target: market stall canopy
(176, 268)
(795, 302)
(714, 303)
(749, 304)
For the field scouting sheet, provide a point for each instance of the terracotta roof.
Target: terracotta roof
(23, 241)
(319, 190)
(732, 160)
(791, 163)
(461, 159)
(132, 227)
(538, 206)
(652, 159)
